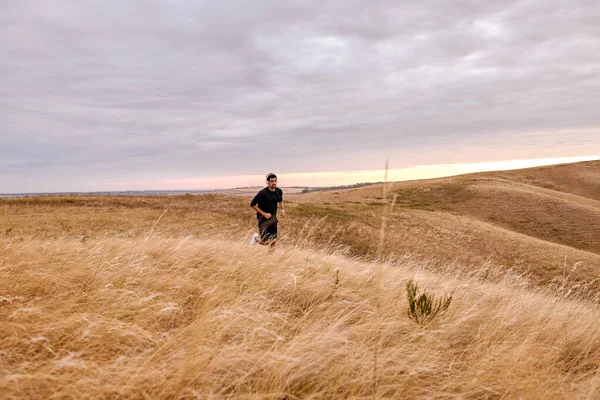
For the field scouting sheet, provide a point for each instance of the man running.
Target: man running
(265, 205)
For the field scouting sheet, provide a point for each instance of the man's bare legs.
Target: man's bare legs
(269, 242)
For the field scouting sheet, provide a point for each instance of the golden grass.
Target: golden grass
(469, 235)
(157, 317)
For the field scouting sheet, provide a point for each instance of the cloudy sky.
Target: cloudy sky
(111, 95)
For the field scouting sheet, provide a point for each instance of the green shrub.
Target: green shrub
(423, 307)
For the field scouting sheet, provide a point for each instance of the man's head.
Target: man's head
(271, 181)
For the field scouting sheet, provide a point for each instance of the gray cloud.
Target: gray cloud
(94, 90)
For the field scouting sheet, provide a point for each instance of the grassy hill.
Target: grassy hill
(537, 220)
(540, 221)
(160, 297)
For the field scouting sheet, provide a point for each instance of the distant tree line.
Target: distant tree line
(320, 189)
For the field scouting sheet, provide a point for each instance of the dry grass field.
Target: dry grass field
(538, 221)
(161, 297)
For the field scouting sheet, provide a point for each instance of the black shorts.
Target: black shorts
(267, 228)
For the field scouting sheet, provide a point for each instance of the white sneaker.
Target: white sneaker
(253, 241)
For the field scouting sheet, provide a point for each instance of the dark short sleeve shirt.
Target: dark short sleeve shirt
(267, 201)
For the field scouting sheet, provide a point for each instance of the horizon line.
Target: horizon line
(419, 172)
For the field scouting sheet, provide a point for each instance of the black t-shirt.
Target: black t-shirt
(267, 201)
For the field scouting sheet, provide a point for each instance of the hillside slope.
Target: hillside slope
(581, 178)
(538, 220)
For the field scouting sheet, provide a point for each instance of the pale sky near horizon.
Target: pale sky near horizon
(164, 94)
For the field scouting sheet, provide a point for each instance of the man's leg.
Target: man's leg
(263, 236)
(265, 239)
(268, 236)
(272, 230)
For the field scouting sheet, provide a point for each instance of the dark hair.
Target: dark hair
(270, 175)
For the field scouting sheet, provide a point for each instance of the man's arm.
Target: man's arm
(282, 208)
(254, 205)
(261, 212)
